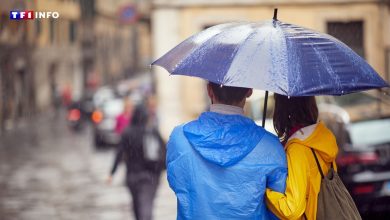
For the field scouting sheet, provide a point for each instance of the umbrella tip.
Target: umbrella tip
(275, 14)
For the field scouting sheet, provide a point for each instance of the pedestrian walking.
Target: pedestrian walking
(220, 164)
(143, 150)
(67, 95)
(311, 151)
(122, 120)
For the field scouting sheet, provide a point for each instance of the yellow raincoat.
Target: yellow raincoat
(303, 181)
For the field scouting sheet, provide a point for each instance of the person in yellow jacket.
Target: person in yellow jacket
(296, 124)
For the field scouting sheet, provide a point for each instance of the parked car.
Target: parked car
(87, 104)
(364, 163)
(104, 122)
(75, 117)
(361, 123)
(102, 95)
(79, 112)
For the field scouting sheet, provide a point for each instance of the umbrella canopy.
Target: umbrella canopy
(273, 56)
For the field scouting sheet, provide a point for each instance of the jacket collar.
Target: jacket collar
(304, 132)
(226, 109)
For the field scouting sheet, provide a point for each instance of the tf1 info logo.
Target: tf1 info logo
(29, 15)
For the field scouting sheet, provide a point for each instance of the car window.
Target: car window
(370, 132)
(354, 99)
(113, 108)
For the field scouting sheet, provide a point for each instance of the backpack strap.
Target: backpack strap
(318, 163)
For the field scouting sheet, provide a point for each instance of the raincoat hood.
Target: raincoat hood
(223, 139)
(318, 137)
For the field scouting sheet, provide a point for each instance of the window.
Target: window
(351, 33)
(72, 31)
(87, 8)
(37, 27)
(52, 31)
(3, 25)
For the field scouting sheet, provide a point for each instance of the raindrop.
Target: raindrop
(288, 97)
(221, 86)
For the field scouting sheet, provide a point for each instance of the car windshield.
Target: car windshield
(113, 108)
(370, 132)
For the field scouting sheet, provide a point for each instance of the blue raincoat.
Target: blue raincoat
(220, 165)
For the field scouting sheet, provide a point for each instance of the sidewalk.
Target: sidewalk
(50, 172)
(165, 203)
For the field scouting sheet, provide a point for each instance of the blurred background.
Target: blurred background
(63, 83)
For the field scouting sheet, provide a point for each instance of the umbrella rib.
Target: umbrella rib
(287, 59)
(236, 51)
(204, 43)
(326, 60)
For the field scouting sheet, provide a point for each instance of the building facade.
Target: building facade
(116, 39)
(93, 42)
(16, 75)
(363, 24)
(39, 58)
(57, 53)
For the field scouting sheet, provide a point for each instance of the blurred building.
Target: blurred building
(116, 39)
(16, 75)
(39, 58)
(364, 25)
(46, 62)
(57, 53)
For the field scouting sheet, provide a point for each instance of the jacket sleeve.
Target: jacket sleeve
(177, 162)
(292, 204)
(119, 155)
(171, 155)
(276, 178)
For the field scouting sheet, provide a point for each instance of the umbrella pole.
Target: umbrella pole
(266, 92)
(265, 108)
(275, 14)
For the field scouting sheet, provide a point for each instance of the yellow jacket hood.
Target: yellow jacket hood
(318, 137)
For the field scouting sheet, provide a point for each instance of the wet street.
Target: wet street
(49, 172)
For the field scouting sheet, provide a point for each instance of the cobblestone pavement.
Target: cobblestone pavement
(50, 172)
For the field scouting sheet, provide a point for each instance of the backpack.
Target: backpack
(334, 200)
(153, 150)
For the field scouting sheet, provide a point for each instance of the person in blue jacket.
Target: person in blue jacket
(220, 165)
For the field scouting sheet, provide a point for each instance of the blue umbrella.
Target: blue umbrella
(274, 56)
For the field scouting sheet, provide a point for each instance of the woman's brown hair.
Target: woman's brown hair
(291, 112)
